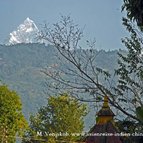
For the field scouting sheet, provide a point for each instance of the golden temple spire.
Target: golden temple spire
(105, 114)
(105, 103)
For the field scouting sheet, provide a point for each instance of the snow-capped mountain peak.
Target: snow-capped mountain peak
(25, 33)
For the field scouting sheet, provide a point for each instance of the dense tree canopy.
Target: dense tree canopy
(12, 121)
(62, 115)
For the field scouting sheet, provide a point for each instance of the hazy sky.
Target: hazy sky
(101, 18)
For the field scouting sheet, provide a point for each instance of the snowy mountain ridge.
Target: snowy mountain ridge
(25, 33)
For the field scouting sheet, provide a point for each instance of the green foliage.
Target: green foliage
(12, 121)
(130, 70)
(139, 113)
(134, 10)
(63, 115)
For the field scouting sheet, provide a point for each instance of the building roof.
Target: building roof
(105, 110)
(104, 131)
(103, 134)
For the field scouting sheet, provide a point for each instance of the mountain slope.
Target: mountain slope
(20, 68)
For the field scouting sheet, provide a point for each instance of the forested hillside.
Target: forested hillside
(21, 65)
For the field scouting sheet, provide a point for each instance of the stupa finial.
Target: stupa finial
(105, 104)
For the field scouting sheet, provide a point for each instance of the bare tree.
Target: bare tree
(78, 72)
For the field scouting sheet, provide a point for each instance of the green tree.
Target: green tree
(134, 9)
(62, 116)
(130, 71)
(12, 121)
